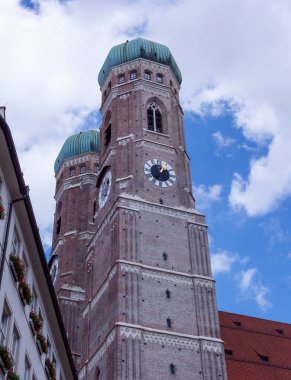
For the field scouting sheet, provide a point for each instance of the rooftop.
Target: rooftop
(80, 143)
(138, 48)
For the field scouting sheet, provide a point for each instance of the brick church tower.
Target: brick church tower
(130, 260)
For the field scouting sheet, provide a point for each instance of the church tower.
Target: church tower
(76, 170)
(149, 308)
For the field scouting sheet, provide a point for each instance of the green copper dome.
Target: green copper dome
(83, 142)
(138, 48)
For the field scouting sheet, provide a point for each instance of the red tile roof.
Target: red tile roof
(259, 349)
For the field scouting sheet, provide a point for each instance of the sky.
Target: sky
(235, 59)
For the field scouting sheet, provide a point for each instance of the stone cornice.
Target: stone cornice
(154, 336)
(148, 271)
(76, 161)
(135, 204)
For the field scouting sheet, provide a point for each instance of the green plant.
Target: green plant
(51, 369)
(37, 322)
(2, 209)
(12, 376)
(26, 292)
(43, 342)
(6, 358)
(18, 266)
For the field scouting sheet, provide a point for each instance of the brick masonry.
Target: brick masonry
(134, 281)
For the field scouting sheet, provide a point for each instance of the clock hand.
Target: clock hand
(163, 167)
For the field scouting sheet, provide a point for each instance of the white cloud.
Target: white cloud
(222, 141)
(222, 262)
(251, 288)
(205, 196)
(246, 278)
(229, 57)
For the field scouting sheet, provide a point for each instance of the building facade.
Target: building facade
(130, 251)
(33, 343)
(256, 348)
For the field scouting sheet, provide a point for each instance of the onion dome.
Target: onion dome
(78, 144)
(138, 48)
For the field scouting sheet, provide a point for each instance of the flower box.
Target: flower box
(12, 376)
(2, 209)
(2, 367)
(6, 359)
(31, 325)
(41, 343)
(25, 293)
(17, 266)
(39, 347)
(35, 321)
(50, 369)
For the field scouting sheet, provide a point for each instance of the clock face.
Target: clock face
(105, 189)
(54, 270)
(159, 173)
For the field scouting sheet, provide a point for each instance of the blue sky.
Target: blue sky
(257, 248)
(235, 92)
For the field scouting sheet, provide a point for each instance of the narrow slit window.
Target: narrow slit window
(168, 293)
(108, 135)
(59, 225)
(172, 369)
(169, 323)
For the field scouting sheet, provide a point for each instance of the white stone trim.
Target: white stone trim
(212, 346)
(103, 287)
(70, 233)
(127, 331)
(76, 161)
(113, 93)
(125, 139)
(135, 203)
(162, 337)
(165, 274)
(85, 235)
(110, 338)
(138, 203)
(204, 283)
(155, 145)
(112, 152)
(124, 178)
(130, 333)
(152, 88)
(66, 273)
(60, 242)
(155, 133)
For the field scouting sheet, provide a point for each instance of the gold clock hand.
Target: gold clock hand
(163, 167)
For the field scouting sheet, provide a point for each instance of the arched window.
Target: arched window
(154, 118)
(121, 78)
(160, 78)
(132, 75)
(97, 374)
(147, 75)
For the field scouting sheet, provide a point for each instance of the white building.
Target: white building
(22, 332)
